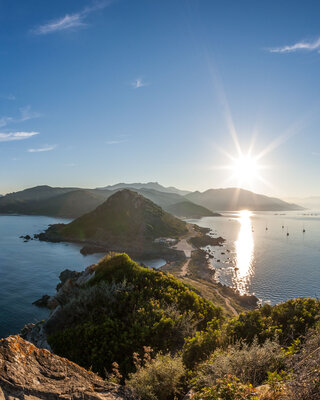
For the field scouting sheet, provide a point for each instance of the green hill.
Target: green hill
(123, 308)
(124, 220)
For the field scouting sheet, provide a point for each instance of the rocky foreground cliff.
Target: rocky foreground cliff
(29, 373)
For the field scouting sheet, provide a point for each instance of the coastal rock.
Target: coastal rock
(43, 302)
(35, 334)
(93, 249)
(66, 275)
(26, 238)
(27, 372)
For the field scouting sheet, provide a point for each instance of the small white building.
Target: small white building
(166, 241)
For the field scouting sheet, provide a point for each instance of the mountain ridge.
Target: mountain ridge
(235, 199)
(72, 202)
(148, 185)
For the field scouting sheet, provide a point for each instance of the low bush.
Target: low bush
(202, 344)
(85, 303)
(157, 379)
(227, 388)
(286, 321)
(250, 363)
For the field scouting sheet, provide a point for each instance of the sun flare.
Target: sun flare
(245, 169)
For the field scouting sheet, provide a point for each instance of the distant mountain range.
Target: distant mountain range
(74, 202)
(234, 199)
(150, 185)
(312, 202)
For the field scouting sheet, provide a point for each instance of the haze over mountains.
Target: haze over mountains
(149, 185)
(74, 202)
(233, 199)
(312, 202)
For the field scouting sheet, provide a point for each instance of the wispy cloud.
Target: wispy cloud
(25, 114)
(116, 141)
(5, 121)
(299, 46)
(42, 149)
(9, 137)
(8, 97)
(138, 83)
(70, 21)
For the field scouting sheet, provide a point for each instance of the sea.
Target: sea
(275, 256)
(28, 270)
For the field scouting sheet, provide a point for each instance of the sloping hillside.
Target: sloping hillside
(187, 209)
(127, 219)
(233, 199)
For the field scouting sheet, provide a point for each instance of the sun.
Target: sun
(245, 169)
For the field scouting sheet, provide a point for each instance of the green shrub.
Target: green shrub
(83, 303)
(250, 363)
(286, 321)
(141, 307)
(200, 346)
(228, 388)
(158, 379)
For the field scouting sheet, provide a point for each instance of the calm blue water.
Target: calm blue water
(268, 263)
(29, 270)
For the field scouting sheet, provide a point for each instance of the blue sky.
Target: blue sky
(97, 92)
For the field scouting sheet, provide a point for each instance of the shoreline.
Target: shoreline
(188, 259)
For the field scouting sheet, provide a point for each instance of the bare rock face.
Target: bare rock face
(29, 373)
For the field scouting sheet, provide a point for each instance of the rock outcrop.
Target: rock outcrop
(30, 373)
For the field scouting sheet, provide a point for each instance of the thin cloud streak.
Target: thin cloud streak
(5, 121)
(116, 141)
(25, 115)
(42, 149)
(70, 21)
(299, 46)
(10, 137)
(138, 83)
(8, 97)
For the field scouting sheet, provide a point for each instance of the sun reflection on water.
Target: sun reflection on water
(244, 253)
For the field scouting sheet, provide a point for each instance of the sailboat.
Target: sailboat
(303, 230)
(287, 232)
